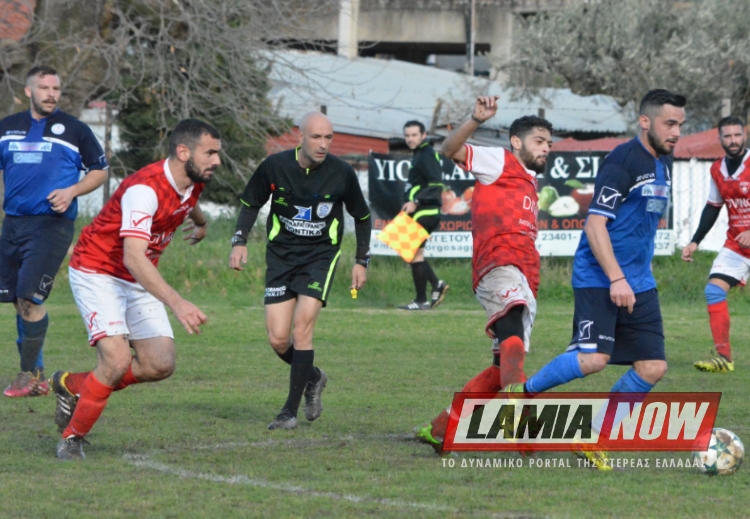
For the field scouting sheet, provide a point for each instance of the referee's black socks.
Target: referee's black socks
(302, 368)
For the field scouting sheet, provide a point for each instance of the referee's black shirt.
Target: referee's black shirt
(425, 184)
(307, 204)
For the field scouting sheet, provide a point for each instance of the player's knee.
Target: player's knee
(593, 362)
(652, 371)
(29, 310)
(279, 343)
(163, 368)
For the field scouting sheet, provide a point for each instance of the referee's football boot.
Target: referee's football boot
(66, 400)
(438, 294)
(598, 460)
(71, 448)
(414, 305)
(284, 420)
(313, 403)
(27, 384)
(718, 364)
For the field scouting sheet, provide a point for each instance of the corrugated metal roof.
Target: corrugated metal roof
(369, 96)
(702, 145)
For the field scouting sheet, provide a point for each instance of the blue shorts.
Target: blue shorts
(601, 327)
(32, 248)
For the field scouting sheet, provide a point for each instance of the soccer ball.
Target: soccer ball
(723, 456)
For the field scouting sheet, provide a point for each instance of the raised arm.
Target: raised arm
(453, 146)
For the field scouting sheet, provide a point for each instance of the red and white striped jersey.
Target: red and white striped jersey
(733, 192)
(148, 206)
(503, 213)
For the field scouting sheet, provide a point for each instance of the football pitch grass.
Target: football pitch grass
(196, 445)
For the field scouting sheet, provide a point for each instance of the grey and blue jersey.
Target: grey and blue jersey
(632, 191)
(38, 157)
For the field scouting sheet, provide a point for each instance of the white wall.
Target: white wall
(690, 191)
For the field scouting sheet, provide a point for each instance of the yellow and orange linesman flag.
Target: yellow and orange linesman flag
(403, 235)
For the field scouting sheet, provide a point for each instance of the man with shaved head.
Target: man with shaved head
(308, 188)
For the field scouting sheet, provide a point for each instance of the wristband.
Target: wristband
(616, 280)
(205, 222)
(238, 240)
(364, 262)
(477, 119)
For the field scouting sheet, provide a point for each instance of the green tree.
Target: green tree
(623, 48)
(160, 61)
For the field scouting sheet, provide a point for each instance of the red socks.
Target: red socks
(127, 380)
(74, 381)
(718, 318)
(91, 402)
(512, 355)
(488, 381)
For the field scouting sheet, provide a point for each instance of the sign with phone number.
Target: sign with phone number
(564, 243)
(548, 243)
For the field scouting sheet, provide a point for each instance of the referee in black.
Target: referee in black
(423, 195)
(308, 188)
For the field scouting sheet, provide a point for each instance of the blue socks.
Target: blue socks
(39, 365)
(560, 370)
(33, 339)
(631, 382)
(714, 294)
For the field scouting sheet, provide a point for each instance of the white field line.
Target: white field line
(147, 462)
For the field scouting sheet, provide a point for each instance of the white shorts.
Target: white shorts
(111, 306)
(501, 289)
(731, 264)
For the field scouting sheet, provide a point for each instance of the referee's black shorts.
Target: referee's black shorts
(288, 276)
(428, 218)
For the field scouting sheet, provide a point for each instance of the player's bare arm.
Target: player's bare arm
(453, 146)
(596, 231)
(197, 226)
(145, 273)
(60, 199)
(688, 250)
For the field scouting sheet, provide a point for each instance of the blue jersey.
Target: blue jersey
(632, 190)
(38, 157)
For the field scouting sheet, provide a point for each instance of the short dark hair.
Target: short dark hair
(730, 120)
(189, 132)
(40, 70)
(524, 125)
(422, 129)
(655, 99)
